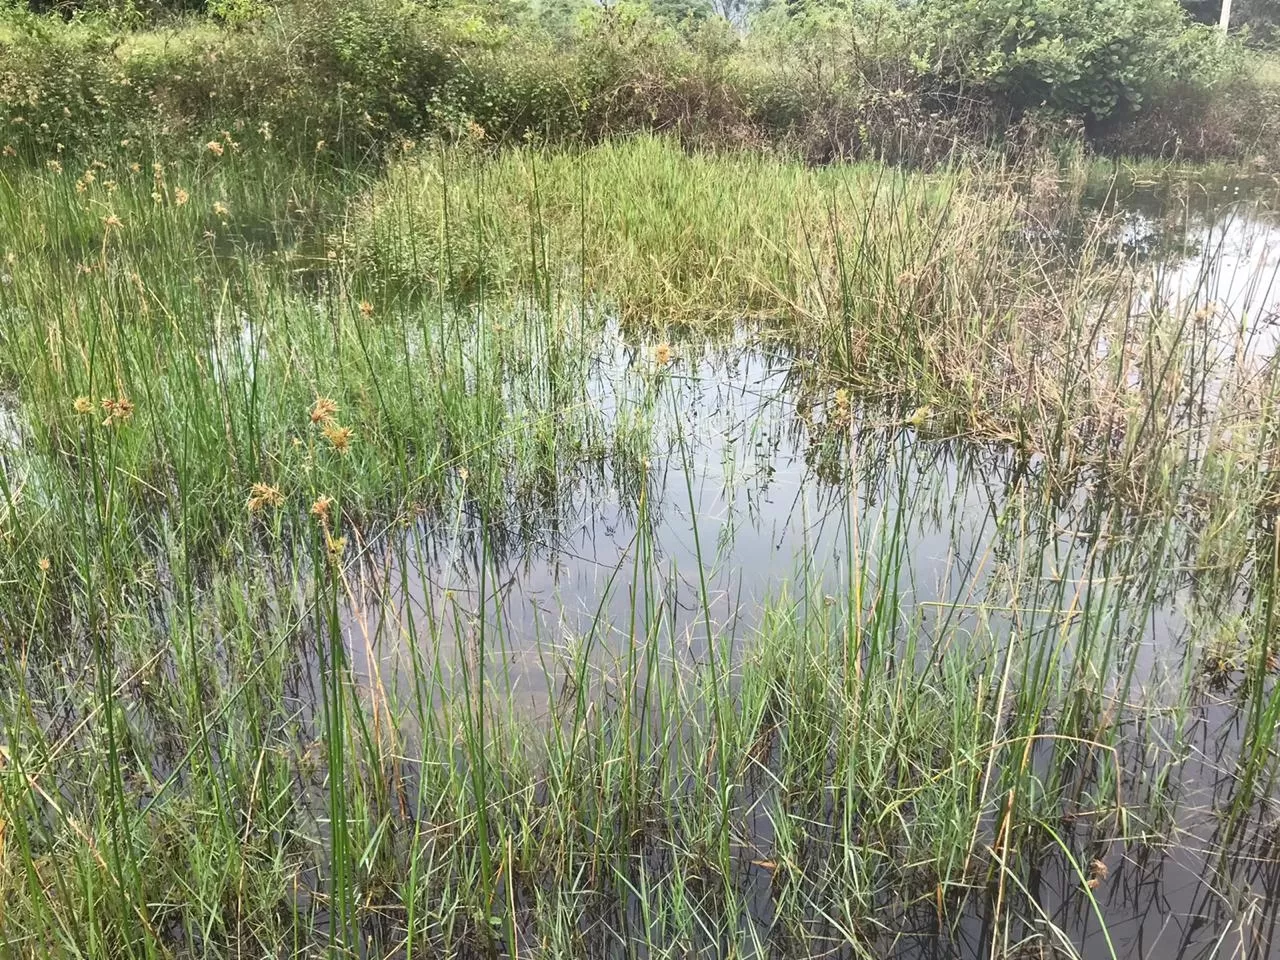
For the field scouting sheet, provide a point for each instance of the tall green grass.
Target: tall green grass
(264, 787)
(265, 693)
(982, 301)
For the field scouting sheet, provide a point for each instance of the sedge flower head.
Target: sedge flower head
(264, 495)
(118, 410)
(323, 410)
(339, 437)
(1097, 873)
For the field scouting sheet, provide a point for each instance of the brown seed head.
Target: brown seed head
(264, 495)
(339, 437)
(323, 409)
(118, 410)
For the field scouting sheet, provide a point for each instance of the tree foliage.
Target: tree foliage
(829, 77)
(1091, 58)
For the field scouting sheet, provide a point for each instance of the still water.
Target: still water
(759, 485)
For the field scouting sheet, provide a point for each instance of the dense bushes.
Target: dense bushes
(1088, 58)
(820, 79)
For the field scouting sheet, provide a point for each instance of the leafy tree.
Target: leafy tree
(679, 11)
(1090, 58)
(561, 16)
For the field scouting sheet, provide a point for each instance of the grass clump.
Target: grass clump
(168, 332)
(850, 764)
(981, 304)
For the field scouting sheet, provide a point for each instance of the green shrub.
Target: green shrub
(61, 85)
(1088, 58)
(850, 81)
(913, 82)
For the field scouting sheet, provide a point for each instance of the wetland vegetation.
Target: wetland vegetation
(450, 539)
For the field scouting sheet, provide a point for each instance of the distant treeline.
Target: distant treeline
(820, 78)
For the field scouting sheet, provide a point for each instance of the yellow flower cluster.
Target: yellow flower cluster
(323, 413)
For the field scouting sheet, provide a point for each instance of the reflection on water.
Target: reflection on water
(756, 488)
(758, 484)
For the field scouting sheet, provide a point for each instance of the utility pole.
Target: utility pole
(1224, 22)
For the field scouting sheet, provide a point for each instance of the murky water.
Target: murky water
(767, 477)
(758, 485)
(762, 489)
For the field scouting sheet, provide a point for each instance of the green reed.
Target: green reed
(258, 708)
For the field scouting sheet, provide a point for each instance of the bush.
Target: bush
(912, 82)
(1091, 59)
(851, 81)
(61, 86)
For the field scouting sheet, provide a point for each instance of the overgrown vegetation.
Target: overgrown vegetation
(821, 80)
(441, 516)
(271, 455)
(850, 263)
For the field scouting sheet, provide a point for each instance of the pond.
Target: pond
(390, 617)
(754, 489)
